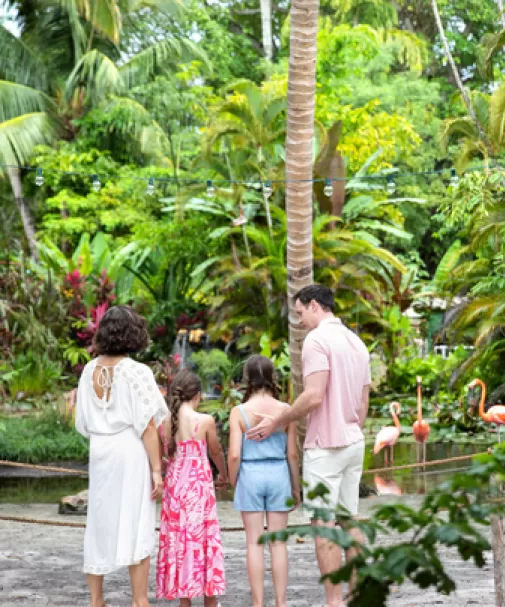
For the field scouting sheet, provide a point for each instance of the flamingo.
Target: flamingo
(420, 428)
(386, 487)
(388, 436)
(495, 414)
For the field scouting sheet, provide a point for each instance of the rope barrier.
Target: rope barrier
(435, 462)
(37, 521)
(44, 468)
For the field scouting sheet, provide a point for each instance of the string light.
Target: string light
(267, 185)
(211, 190)
(150, 187)
(39, 179)
(267, 189)
(95, 183)
(328, 188)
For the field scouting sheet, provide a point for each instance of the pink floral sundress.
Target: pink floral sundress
(190, 557)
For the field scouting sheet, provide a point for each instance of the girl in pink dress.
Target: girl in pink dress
(190, 557)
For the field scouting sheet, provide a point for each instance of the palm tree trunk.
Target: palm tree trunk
(457, 78)
(299, 166)
(266, 27)
(24, 211)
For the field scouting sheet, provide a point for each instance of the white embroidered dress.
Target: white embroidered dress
(120, 527)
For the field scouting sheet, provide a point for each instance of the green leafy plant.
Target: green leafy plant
(450, 516)
(213, 366)
(30, 375)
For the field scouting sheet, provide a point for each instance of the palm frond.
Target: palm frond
(175, 8)
(17, 99)
(459, 128)
(19, 136)
(497, 116)
(19, 63)
(158, 57)
(447, 264)
(492, 44)
(98, 74)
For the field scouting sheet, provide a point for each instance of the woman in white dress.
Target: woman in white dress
(119, 408)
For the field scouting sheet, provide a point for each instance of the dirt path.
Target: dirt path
(41, 566)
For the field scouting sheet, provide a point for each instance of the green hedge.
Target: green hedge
(40, 438)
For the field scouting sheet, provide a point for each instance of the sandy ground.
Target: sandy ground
(41, 565)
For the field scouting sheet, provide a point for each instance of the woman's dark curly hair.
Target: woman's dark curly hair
(259, 374)
(185, 386)
(121, 331)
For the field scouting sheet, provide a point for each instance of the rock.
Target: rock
(366, 490)
(74, 504)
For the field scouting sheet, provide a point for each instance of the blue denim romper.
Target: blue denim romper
(264, 482)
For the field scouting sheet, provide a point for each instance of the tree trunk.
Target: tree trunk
(498, 544)
(502, 13)
(24, 211)
(266, 27)
(457, 78)
(299, 162)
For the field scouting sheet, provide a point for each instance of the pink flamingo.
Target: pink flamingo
(386, 487)
(388, 436)
(495, 414)
(420, 428)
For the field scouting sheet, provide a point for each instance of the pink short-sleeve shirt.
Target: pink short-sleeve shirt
(334, 348)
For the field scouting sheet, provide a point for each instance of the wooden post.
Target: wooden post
(498, 544)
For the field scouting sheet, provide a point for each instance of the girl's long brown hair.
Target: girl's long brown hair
(184, 388)
(259, 374)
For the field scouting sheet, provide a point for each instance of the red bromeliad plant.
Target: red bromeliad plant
(90, 298)
(165, 370)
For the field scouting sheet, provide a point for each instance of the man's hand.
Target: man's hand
(264, 429)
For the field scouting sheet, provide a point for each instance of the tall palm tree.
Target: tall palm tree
(299, 165)
(455, 73)
(266, 28)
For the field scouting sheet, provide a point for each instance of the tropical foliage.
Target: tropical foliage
(123, 92)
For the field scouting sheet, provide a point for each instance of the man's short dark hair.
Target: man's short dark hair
(323, 295)
(121, 331)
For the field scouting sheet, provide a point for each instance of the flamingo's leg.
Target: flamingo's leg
(392, 454)
(418, 453)
(385, 457)
(499, 433)
(424, 453)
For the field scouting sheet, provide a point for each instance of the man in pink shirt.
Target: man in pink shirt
(336, 372)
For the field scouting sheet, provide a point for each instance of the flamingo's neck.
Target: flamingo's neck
(482, 400)
(395, 417)
(419, 404)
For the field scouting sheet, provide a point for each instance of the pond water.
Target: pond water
(417, 480)
(15, 489)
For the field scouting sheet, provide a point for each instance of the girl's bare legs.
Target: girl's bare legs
(139, 575)
(210, 601)
(277, 521)
(184, 603)
(254, 527)
(95, 583)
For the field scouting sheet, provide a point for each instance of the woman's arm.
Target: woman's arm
(235, 447)
(294, 463)
(215, 449)
(165, 434)
(152, 446)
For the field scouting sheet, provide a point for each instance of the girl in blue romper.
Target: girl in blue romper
(265, 475)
